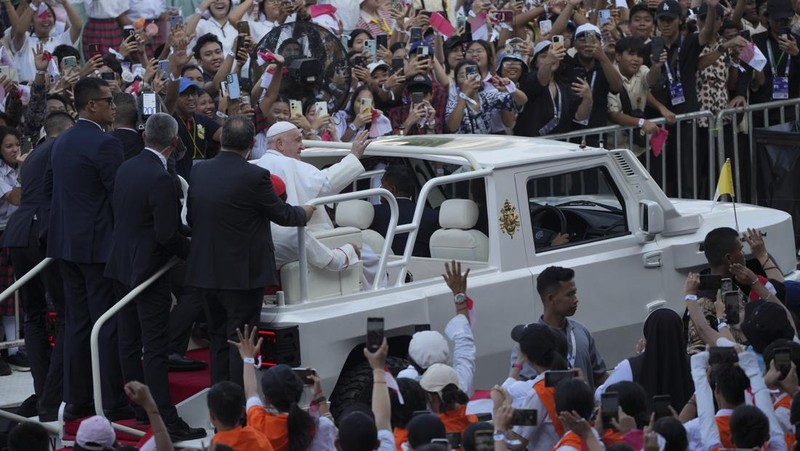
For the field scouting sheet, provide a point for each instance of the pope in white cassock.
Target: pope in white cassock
(305, 182)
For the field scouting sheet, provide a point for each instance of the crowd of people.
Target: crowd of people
(109, 108)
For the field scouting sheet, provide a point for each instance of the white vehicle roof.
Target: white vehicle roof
(485, 150)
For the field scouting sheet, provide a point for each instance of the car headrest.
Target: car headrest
(355, 213)
(458, 214)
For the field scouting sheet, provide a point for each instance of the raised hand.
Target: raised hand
(249, 343)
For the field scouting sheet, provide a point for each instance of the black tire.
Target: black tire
(355, 384)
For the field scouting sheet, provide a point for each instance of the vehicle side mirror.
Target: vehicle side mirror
(651, 218)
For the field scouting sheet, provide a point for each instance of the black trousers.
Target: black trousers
(88, 295)
(143, 342)
(227, 310)
(183, 316)
(47, 362)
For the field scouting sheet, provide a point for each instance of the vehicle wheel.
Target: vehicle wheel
(355, 384)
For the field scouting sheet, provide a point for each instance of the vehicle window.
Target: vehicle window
(575, 207)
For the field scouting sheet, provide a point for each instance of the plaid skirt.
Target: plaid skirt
(107, 33)
(6, 279)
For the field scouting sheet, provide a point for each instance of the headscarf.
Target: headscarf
(663, 367)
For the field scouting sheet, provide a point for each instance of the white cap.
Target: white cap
(280, 127)
(437, 377)
(95, 433)
(541, 45)
(428, 347)
(586, 28)
(372, 66)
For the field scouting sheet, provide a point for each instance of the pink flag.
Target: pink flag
(442, 25)
(658, 140)
(751, 55)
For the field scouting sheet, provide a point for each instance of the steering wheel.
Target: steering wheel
(541, 235)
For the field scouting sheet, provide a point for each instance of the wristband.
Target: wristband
(690, 297)
(231, 54)
(221, 115)
(754, 282)
(249, 360)
(641, 123)
(41, 72)
(32, 7)
(511, 87)
(721, 325)
(198, 11)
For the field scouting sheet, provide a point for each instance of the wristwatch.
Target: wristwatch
(353, 127)
(460, 298)
(499, 436)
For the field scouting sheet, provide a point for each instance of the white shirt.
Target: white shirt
(226, 34)
(8, 181)
(26, 70)
(160, 157)
(147, 9)
(543, 435)
(387, 440)
(459, 332)
(622, 372)
(106, 9)
(259, 27)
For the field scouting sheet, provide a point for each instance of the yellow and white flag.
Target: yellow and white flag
(725, 182)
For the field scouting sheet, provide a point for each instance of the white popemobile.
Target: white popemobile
(628, 243)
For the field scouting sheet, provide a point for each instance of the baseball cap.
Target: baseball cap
(668, 8)
(779, 9)
(96, 434)
(428, 347)
(764, 323)
(587, 28)
(540, 47)
(439, 376)
(419, 83)
(376, 65)
(278, 184)
(186, 84)
(639, 7)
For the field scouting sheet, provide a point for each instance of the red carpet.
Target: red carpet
(182, 385)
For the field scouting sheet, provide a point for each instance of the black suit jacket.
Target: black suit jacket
(80, 182)
(146, 220)
(764, 93)
(33, 203)
(132, 142)
(231, 204)
(428, 224)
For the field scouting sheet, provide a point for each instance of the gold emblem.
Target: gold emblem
(509, 219)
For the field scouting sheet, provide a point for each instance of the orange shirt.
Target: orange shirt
(547, 397)
(243, 438)
(724, 428)
(457, 420)
(400, 437)
(611, 437)
(570, 439)
(272, 426)
(785, 402)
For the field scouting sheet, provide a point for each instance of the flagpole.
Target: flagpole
(735, 217)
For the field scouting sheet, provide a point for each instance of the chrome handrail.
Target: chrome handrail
(94, 342)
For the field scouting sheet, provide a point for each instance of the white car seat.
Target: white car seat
(456, 239)
(359, 214)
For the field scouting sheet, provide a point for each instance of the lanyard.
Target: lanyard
(772, 62)
(572, 351)
(382, 24)
(191, 132)
(677, 65)
(594, 77)
(556, 101)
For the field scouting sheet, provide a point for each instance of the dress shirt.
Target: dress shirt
(159, 155)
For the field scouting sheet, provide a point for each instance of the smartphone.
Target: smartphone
(726, 284)
(233, 86)
(148, 103)
(371, 47)
(94, 49)
(472, 72)
(502, 16)
(454, 440)
(661, 404)
(484, 440)
(590, 38)
(424, 51)
(5, 71)
(657, 46)
(417, 97)
(731, 299)
(163, 66)
(366, 105)
(295, 108)
(223, 88)
(710, 282)
(304, 375)
(175, 21)
(558, 41)
(345, 41)
(416, 34)
(26, 145)
(553, 377)
(609, 408)
(545, 26)
(128, 31)
(524, 417)
(322, 108)
(783, 361)
(108, 76)
(397, 64)
(243, 28)
(68, 62)
(382, 40)
(374, 325)
(359, 61)
(722, 355)
(784, 32)
(603, 17)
